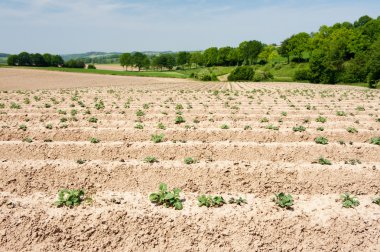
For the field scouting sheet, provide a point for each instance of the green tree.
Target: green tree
(24, 59)
(37, 59)
(197, 59)
(12, 60)
(140, 60)
(56, 61)
(249, 51)
(183, 58)
(211, 56)
(125, 60)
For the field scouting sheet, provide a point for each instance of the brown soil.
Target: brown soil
(254, 163)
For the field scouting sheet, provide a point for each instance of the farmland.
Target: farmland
(117, 138)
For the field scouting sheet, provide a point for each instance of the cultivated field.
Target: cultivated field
(246, 141)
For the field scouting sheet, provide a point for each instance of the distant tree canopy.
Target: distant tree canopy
(35, 59)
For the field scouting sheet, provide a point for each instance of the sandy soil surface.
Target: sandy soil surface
(249, 159)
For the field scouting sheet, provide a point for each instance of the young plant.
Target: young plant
(179, 120)
(324, 161)
(23, 127)
(70, 198)
(240, 201)
(247, 127)
(352, 130)
(157, 138)
(375, 140)
(93, 120)
(81, 161)
(161, 126)
(299, 128)
(49, 126)
(283, 200)
(139, 126)
(341, 113)
(211, 201)
(27, 140)
(224, 126)
(94, 140)
(150, 160)
(189, 160)
(99, 105)
(140, 113)
(320, 129)
(15, 105)
(376, 201)
(321, 119)
(321, 140)
(349, 201)
(167, 198)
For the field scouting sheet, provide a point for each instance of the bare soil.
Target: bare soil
(253, 162)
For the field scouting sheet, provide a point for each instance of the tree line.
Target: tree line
(42, 60)
(344, 52)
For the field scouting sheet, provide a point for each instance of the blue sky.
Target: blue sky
(73, 26)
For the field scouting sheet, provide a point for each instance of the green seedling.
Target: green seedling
(94, 140)
(240, 201)
(27, 140)
(376, 201)
(139, 126)
(211, 201)
(23, 127)
(224, 126)
(150, 160)
(81, 161)
(70, 198)
(161, 126)
(321, 140)
(324, 161)
(140, 113)
(321, 119)
(375, 140)
(349, 201)
(299, 128)
(93, 120)
(341, 113)
(352, 130)
(157, 138)
(283, 200)
(167, 198)
(189, 160)
(179, 120)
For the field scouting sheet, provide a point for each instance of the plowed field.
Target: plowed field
(45, 132)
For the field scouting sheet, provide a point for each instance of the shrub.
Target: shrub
(262, 76)
(91, 66)
(74, 64)
(349, 201)
(205, 75)
(283, 200)
(302, 75)
(242, 73)
(211, 201)
(167, 198)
